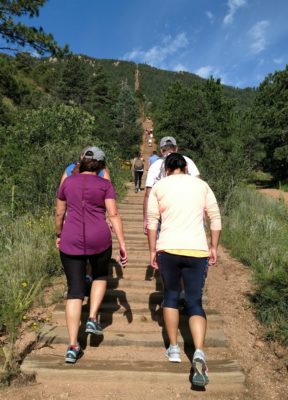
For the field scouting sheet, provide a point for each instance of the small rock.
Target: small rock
(280, 352)
(259, 343)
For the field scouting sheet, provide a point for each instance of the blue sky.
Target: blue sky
(239, 41)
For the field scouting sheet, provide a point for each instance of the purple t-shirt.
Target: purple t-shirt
(85, 230)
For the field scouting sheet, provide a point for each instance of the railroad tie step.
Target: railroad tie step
(51, 335)
(224, 375)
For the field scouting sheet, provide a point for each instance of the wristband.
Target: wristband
(58, 235)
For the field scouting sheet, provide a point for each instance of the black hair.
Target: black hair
(91, 165)
(175, 161)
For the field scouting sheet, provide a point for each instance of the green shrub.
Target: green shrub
(256, 231)
(28, 258)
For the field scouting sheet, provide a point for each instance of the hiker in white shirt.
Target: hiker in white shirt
(156, 171)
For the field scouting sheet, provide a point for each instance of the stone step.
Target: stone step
(223, 374)
(58, 334)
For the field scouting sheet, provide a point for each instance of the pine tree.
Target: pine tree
(73, 86)
(271, 113)
(18, 34)
(126, 115)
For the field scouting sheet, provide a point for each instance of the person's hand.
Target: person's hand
(123, 256)
(212, 259)
(58, 243)
(153, 261)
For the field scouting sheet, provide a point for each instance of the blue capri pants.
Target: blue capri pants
(193, 270)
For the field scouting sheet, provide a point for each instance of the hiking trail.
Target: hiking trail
(129, 362)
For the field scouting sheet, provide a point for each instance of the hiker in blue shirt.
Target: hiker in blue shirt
(154, 157)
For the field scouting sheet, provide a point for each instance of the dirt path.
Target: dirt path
(130, 364)
(275, 193)
(265, 365)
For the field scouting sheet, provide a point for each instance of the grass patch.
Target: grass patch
(256, 231)
(28, 259)
(283, 186)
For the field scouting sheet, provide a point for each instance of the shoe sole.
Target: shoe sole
(70, 361)
(200, 377)
(73, 361)
(98, 333)
(174, 360)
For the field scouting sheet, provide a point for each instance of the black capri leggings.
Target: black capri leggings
(75, 271)
(138, 178)
(194, 272)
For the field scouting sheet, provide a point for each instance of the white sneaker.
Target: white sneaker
(173, 353)
(200, 377)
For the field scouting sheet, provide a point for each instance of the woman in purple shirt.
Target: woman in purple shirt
(84, 236)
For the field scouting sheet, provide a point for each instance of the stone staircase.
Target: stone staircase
(132, 349)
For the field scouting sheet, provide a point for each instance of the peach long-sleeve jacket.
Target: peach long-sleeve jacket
(181, 201)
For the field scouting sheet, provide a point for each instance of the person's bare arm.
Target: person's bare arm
(132, 164)
(215, 236)
(106, 174)
(152, 237)
(213, 212)
(59, 219)
(145, 205)
(116, 222)
(63, 177)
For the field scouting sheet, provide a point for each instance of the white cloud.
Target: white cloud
(210, 70)
(207, 71)
(278, 60)
(180, 67)
(257, 36)
(159, 53)
(211, 16)
(233, 6)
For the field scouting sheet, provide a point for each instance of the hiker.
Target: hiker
(156, 171)
(85, 235)
(138, 170)
(181, 251)
(154, 157)
(74, 168)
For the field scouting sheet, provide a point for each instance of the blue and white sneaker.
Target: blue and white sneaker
(93, 327)
(73, 353)
(173, 353)
(200, 377)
